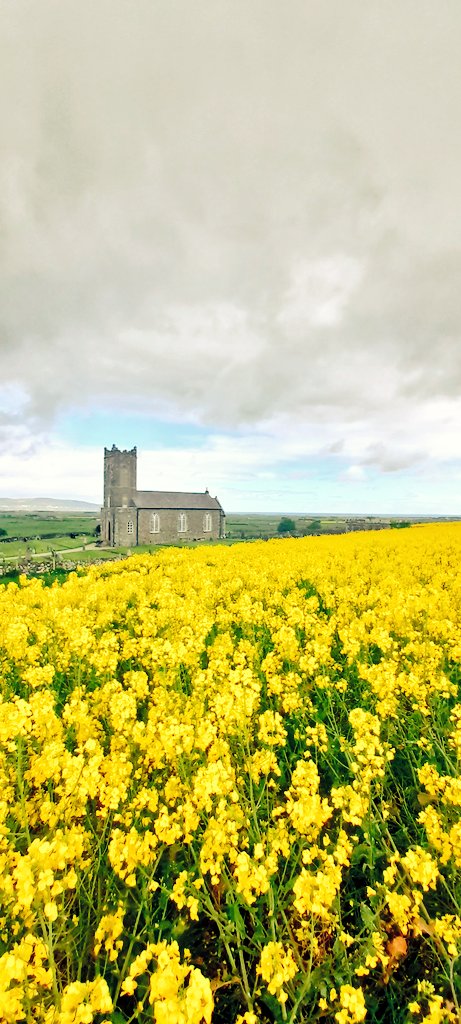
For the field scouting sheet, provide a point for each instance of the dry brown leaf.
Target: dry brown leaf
(397, 947)
(217, 983)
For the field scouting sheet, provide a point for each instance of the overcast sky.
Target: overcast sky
(230, 234)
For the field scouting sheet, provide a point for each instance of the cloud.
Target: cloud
(231, 467)
(353, 472)
(241, 216)
(318, 294)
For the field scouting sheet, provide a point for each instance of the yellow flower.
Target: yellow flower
(276, 967)
(82, 1000)
(353, 1007)
(108, 933)
(51, 911)
(421, 868)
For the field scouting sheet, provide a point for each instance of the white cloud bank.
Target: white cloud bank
(244, 215)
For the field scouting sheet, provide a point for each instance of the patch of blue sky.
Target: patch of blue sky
(333, 485)
(306, 469)
(105, 428)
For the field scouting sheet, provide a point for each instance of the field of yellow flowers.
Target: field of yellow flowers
(230, 786)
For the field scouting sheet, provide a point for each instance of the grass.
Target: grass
(94, 555)
(36, 524)
(37, 533)
(37, 547)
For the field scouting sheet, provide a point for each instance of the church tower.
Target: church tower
(119, 477)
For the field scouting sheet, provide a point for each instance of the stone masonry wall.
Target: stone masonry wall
(121, 537)
(119, 477)
(119, 519)
(169, 533)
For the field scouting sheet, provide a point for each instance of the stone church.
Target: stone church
(132, 517)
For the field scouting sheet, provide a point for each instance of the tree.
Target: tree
(286, 525)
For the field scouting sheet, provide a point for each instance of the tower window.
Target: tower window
(129, 526)
(155, 523)
(182, 522)
(207, 524)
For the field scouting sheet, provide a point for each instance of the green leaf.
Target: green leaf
(235, 916)
(368, 917)
(359, 853)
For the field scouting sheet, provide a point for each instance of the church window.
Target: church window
(129, 526)
(155, 523)
(207, 523)
(182, 522)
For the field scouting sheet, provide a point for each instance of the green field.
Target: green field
(38, 524)
(28, 534)
(246, 527)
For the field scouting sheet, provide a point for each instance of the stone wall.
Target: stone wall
(115, 522)
(119, 477)
(169, 521)
(121, 537)
(106, 526)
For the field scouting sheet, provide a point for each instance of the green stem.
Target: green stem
(127, 959)
(222, 935)
(453, 990)
(47, 932)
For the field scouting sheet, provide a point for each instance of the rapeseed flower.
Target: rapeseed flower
(277, 967)
(225, 735)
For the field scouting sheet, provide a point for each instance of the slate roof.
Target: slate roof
(186, 500)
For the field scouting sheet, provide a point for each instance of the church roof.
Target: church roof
(176, 500)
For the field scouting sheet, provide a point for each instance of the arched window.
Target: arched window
(182, 522)
(207, 523)
(155, 523)
(129, 526)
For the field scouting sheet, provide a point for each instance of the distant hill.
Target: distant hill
(46, 505)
